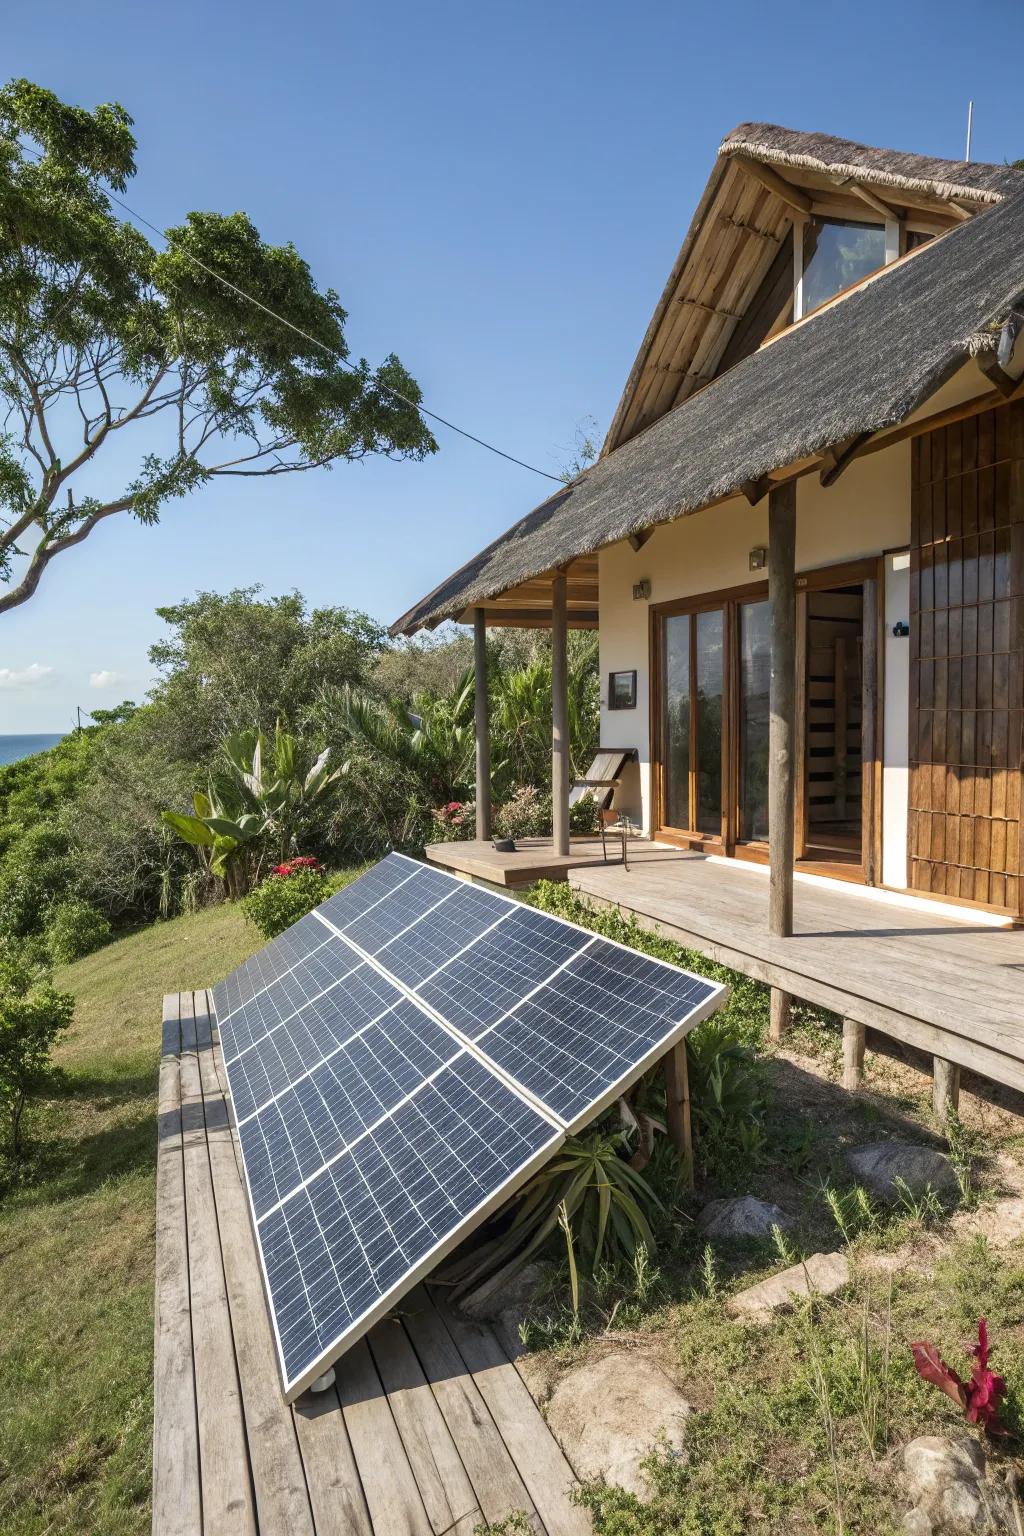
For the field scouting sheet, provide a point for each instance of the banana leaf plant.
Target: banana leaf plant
(254, 804)
(608, 1205)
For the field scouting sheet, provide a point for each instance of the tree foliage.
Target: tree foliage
(33, 1016)
(104, 336)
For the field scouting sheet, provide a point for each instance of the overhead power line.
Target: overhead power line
(315, 340)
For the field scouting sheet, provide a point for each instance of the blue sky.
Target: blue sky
(497, 193)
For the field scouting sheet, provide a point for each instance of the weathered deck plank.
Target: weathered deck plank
(541, 1461)
(278, 1479)
(441, 1478)
(949, 988)
(227, 1496)
(176, 1503)
(492, 1472)
(405, 1444)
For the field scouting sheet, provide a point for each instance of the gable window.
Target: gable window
(836, 254)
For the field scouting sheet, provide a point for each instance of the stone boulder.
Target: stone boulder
(822, 1274)
(506, 1302)
(953, 1491)
(879, 1164)
(743, 1217)
(610, 1414)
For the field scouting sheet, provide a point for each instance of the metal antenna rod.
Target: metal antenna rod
(970, 124)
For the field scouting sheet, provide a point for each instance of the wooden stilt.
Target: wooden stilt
(677, 1108)
(853, 1054)
(945, 1089)
(781, 1013)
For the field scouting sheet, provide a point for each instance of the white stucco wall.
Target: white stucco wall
(867, 512)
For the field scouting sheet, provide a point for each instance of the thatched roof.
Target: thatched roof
(861, 364)
(731, 287)
(973, 181)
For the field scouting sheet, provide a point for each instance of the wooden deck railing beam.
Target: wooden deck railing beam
(483, 727)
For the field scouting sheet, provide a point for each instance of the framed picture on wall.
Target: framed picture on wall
(622, 690)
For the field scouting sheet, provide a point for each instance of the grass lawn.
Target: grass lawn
(76, 1243)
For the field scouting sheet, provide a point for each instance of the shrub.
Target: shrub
(75, 929)
(583, 815)
(453, 823)
(527, 813)
(288, 893)
(33, 1015)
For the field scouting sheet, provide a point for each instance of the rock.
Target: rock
(822, 1273)
(952, 1489)
(610, 1414)
(879, 1164)
(742, 1217)
(518, 1290)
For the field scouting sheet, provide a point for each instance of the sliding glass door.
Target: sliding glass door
(693, 719)
(714, 665)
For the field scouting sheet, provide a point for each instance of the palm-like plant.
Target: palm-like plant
(431, 741)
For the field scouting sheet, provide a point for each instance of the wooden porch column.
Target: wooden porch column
(677, 1108)
(853, 1054)
(782, 725)
(483, 727)
(559, 717)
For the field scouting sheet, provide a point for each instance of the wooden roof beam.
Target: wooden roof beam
(834, 460)
(991, 367)
(773, 182)
(873, 201)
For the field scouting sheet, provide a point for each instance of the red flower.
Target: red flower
(282, 871)
(978, 1397)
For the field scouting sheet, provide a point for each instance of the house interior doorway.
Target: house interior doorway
(833, 640)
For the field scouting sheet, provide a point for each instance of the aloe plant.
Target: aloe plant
(588, 1185)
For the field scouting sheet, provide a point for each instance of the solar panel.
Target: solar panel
(399, 1062)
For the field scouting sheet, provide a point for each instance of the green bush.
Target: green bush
(75, 929)
(583, 816)
(33, 1015)
(281, 899)
(527, 813)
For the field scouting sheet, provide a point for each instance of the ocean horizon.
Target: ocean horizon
(14, 748)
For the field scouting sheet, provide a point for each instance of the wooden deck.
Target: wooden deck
(534, 859)
(952, 988)
(429, 1429)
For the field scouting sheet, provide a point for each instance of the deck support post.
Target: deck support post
(483, 727)
(853, 1054)
(677, 1108)
(559, 717)
(782, 725)
(945, 1089)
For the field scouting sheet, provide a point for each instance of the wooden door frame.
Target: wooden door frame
(728, 599)
(869, 573)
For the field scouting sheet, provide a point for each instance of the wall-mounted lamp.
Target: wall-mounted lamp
(901, 629)
(641, 590)
(758, 558)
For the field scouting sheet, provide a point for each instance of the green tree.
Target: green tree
(104, 336)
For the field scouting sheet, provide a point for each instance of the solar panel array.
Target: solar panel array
(399, 1062)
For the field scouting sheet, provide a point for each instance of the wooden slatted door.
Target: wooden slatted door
(967, 659)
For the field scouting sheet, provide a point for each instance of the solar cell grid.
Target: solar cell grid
(284, 997)
(347, 904)
(317, 1117)
(474, 989)
(262, 968)
(339, 1246)
(591, 1026)
(430, 942)
(403, 906)
(293, 1048)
